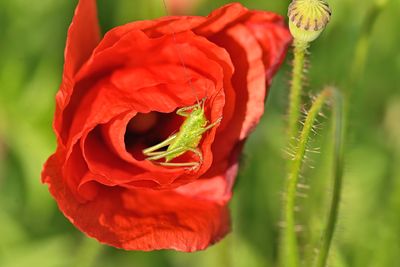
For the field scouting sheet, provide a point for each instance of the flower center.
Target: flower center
(147, 129)
(142, 122)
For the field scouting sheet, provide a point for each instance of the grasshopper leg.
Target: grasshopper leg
(155, 153)
(208, 127)
(150, 150)
(198, 154)
(194, 165)
(183, 111)
(164, 154)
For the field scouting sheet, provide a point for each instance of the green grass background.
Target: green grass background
(34, 233)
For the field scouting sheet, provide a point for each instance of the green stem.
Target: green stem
(290, 254)
(338, 123)
(296, 87)
(362, 45)
(340, 108)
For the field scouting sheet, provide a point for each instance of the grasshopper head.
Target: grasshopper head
(197, 111)
(197, 115)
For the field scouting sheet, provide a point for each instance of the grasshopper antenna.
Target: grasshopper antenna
(187, 77)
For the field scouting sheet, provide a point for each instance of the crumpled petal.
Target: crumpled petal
(83, 37)
(167, 220)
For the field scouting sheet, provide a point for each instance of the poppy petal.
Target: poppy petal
(141, 219)
(83, 36)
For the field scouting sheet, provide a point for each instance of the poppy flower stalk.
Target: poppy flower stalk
(290, 248)
(307, 19)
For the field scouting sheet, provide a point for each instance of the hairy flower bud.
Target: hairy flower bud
(308, 18)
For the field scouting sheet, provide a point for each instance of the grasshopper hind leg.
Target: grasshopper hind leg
(194, 165)
(152, 150)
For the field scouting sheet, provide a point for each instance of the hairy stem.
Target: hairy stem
(296, 87)
(340, 109)
(338, 158)
(290, 253)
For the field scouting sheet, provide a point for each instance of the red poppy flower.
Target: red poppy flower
(119, 95)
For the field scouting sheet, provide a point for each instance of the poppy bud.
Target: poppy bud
(307, 19)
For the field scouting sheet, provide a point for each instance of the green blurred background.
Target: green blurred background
(34, 233)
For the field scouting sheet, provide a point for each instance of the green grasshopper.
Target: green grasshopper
(187, 139)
